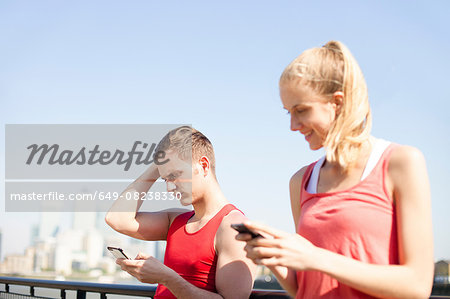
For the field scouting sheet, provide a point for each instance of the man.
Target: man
(203, 259)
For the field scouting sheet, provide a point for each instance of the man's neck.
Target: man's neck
(212, 201)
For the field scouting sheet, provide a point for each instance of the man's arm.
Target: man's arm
(235, 273)
(125, 218)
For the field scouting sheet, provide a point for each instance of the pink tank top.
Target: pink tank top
(358, 223)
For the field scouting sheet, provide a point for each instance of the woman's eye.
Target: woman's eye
(296, 111)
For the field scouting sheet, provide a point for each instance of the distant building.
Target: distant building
(160, 249)
(49, 225)
(18, 264)
(1, 246)
(94, 245)
(34, 234)
(43, 258)
(136, 246)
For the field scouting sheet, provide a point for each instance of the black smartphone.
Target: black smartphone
(241, 228)
(118, 253)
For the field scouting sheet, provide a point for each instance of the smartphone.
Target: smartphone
(241, 228)
(118, 253)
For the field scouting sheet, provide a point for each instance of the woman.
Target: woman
(362, 213)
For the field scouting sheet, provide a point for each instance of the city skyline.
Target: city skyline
(74, 247)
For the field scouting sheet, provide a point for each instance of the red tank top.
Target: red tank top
(192, 255)
(358, 223)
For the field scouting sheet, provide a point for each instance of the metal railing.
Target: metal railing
(83, 288)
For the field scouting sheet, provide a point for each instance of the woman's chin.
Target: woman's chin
(315, 147)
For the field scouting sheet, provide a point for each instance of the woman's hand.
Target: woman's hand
(279, 248)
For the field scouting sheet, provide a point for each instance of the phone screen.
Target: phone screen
(118, 253)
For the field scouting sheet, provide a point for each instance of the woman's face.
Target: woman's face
(311, 114)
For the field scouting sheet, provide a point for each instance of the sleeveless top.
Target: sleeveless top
(192, 255)
(358, 222)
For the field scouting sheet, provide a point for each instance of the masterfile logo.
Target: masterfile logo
(67, 157)
(54, 167)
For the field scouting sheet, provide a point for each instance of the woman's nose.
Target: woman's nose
(295, 124)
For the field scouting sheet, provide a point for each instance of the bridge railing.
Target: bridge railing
(85, 290)
(82, 290)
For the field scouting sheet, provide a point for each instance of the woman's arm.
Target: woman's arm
(407, 178)
(295, 185)
(285, 276)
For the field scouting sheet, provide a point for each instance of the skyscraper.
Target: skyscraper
(49, 224)
(160, 249)
(1, 257)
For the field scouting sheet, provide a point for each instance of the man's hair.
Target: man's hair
(188, 143)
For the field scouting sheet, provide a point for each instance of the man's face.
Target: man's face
(178, 176)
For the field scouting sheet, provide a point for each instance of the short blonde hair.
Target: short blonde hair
(327, 70)
(189, 143)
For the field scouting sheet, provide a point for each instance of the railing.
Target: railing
(82, 290)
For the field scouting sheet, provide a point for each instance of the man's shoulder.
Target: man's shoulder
(234, 216)
(174, 213)
(225, 232)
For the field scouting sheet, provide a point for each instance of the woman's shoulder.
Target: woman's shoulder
(406, 163)
(405, 156)
(296, 179)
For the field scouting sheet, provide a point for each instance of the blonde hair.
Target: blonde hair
(189, 143)
(327, 70)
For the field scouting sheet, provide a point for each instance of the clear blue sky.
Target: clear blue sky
(216, 66)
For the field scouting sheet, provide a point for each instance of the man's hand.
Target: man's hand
(146, 269)
(124, 215)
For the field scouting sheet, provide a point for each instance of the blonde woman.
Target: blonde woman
(362, 212)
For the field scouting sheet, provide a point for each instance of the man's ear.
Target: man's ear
(204, 164)
(338, 101)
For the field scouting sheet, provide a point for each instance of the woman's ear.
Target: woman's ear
(338, 100)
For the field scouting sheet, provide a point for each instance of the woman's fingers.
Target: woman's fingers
(273, 261)
(265, 256)
(265, 242)
(128, 264)
(243, 237)
(142, 256)
(261, 252)
(265, 229)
